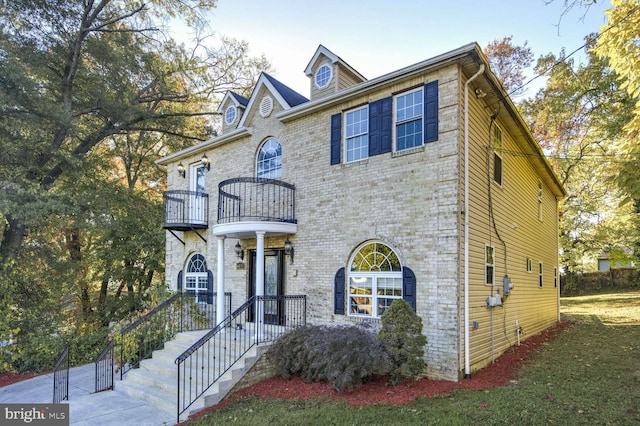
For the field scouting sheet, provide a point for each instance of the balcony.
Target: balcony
(186, 210)
(248, 199)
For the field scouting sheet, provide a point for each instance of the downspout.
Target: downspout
(467, 362)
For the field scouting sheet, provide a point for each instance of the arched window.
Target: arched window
(269, 163)
(197, 278)
(374, 278)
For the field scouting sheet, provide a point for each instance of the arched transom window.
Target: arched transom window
(269, 163)
(196, 277)
(375, 279)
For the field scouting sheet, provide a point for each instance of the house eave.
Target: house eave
(466, 51)
(202, 147)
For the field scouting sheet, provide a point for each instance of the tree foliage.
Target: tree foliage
(402, 339)
(508, 62)
(619, 44)
(578, 118)
(91, 93)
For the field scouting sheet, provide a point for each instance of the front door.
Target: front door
(273, 285)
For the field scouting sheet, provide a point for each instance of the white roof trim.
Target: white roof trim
(263, 81)
(228, 96)
(333, 58)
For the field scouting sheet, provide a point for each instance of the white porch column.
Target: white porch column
(259, 281)
(220, 286)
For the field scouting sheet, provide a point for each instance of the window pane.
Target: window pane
(197, 264)
(409, 135)
(376, 257)
(489, 275)
(190, 282)
(389, 286)
(270, 160)
(357, 148)
(356, 133)
(360, 305)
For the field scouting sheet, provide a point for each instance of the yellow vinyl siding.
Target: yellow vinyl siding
(515, 213)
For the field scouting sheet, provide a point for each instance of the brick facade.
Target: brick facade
(411, 201)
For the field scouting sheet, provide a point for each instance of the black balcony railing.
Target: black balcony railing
(185, 210)
(249, 199)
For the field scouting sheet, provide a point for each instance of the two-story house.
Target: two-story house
(423, 184)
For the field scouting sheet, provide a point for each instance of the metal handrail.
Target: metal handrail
(256, 199)
(104, 368)
(61, 377)
(204, 363)
(186, 208)
(183, 311)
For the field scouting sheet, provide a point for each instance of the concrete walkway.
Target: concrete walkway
(85, 407)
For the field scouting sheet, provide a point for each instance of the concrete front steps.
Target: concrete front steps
(156, 381)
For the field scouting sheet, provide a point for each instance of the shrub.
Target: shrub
(345, 356)
(402, 339)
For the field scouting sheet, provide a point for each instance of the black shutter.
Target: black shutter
(431, 111)
(380, 123)
(209, 287)
(338, 292)
(180, 281)
(336, 136)
(409, 287)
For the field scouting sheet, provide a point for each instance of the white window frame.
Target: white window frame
(555, 277)
(356, 132)
(489, 262)
(326, 77)
(230, 114)
(529, 265)
(357, 305)
(197, 198)
(196, 281)
(269, 171)
(497, 141)
(402, 119)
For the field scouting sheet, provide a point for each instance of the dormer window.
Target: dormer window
(230, 115)
(323, 76)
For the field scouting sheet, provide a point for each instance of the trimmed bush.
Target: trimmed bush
(402, 339)
(345, 356)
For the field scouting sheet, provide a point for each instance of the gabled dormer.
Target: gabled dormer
(232, 109)
(268, 97)
(329, 74)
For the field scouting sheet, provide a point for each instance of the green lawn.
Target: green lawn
(589, 375)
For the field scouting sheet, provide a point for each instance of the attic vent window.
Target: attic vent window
(266, 106)
(230, 115)
(323, 76)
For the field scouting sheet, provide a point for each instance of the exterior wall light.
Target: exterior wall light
(239, 251)
(206, 162)
(181, 170)
(288, 250)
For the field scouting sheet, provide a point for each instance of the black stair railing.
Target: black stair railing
(183, 311)
(61, 377)
(104, 368)
(200, 366)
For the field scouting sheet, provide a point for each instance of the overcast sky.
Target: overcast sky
(377, 37)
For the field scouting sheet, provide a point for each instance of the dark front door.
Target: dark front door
(273, 285)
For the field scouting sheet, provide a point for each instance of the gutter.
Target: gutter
(467, 363)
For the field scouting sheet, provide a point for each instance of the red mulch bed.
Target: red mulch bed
(10, 378)
(379, 392)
